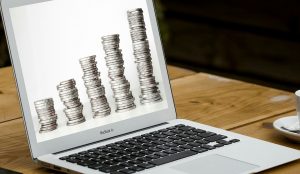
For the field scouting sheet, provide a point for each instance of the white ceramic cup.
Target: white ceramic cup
(297, 93)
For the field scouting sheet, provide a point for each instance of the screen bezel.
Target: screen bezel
(88, 136)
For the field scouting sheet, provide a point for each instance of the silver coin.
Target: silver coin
(88, 58)
(47, 130)
(92, 82)
(100, 115)
(126, 109)
(75, 122)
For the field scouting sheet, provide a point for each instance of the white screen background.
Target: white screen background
(52, 36)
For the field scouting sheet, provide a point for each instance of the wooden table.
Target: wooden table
(229, 104)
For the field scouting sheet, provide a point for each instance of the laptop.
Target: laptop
(96, 96)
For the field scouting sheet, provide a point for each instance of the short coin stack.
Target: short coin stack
(95, 90)
(46, 114)
(149, 87)
(121, 87)
(68, 94)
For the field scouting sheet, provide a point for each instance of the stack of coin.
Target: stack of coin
(68, 94)
(114, 60)
(95, 91)
(46, 114)
(149, 87)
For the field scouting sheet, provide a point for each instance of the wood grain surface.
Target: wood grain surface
(227, 103)
(9, 103)
(177, 72)
(208, 99)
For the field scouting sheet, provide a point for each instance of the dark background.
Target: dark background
(255, 41)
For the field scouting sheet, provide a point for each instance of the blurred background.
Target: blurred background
(254, 41)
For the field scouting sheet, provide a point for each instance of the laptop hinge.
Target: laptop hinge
(111, 138)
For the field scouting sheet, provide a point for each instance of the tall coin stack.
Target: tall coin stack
(121, 87)
(68, 94)
(149, 87)
(95, 90)
(46, 114)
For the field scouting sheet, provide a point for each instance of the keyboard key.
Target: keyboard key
(153, 156)
(147, 152)
(105, 169)
(127, 171)
(157, 142)
(162, 154)
(151, 138)
(234, 140)
(119, 160)
(194, 144)
(124, 171)
(115, 168)
(168, 133)
(207, 146)
(153, 149)
(215, 138)
(201, 141)
(199, 130)
(177, 149)
(218, 145)
(183, 135)
(179, 142)
(136, 168)
(160, 136)
(171, 144)
(180, 125)
(171, 128)
(108, 163)
(188, 140)
(166, 140)
(63, 158)
(186, 146)
(206, 134)
(146, 165)
(162, 147)
(144, 159)
(174, 137)
(170, 151)
(85, 163)
(186, 128)
(190, 132)
(173, 157)
(95, 166)
(199, 149)
(224, 142)
(164, 130)
(134, 162)
(177, 131)
(196, 137)
(71, 160)
(109, 169)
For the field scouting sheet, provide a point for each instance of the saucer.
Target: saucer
(290, 122)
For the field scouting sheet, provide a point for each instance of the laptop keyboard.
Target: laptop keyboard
(149, 150)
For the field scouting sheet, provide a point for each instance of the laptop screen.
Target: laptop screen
(87, 64)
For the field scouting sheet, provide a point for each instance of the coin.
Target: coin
(122, 94)
(46, 114)
(68, 94)
(95, 90)
(143, 60)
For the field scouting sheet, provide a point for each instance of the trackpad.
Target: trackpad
(214, 164)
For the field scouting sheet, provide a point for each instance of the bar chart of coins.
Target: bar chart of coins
(99, 68)
(123, 99)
